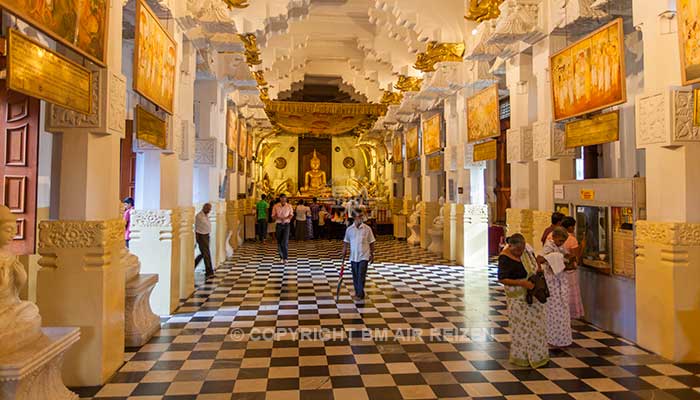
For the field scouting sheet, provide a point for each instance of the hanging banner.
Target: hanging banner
(150, 128)
(40, 72)
(485, 151)
(599, 129)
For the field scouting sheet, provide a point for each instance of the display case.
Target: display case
(605, 212)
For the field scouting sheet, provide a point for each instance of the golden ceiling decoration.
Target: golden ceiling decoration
(260, 78)
(264, 94)
(439, 52)
(252, 53)
(409, 83)
(483, 10)
(323, 118)
(391, 98)
(236, 4)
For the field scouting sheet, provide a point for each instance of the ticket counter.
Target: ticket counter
(606, 211)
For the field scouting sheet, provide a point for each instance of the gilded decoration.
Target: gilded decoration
(236, 4)
(80, 234)
(260, 78)
(483, 115)
(349, 162)
(150, 128)
(409, 83)
(80, 24)
(599, 129)
(483, 10)
(391, 98)
(252, 53)
(322, 118)
(432, 134)
(439, 52)
(667, 233)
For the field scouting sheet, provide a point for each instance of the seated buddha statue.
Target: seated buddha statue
(315, 179)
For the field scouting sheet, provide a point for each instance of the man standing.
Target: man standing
(261, 212)
(202, 230)
(315, 208)
(282, 213)
(361, 240)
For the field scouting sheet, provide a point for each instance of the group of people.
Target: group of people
(308, 222)
(536, 326)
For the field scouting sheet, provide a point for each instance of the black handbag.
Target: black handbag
(540, 291)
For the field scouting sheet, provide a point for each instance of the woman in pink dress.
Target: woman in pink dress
(572, 247)
(128, 206)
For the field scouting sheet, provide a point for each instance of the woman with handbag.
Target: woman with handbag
(516, 265)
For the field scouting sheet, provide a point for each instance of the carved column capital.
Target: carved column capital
(665, 118)
(520, 145)
(205, 152)
(549, 142)
(80, 234)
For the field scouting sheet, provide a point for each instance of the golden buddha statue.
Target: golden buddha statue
(315, 179)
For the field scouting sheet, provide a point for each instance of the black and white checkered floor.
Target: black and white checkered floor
(428, 330)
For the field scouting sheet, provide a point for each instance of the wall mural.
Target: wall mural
(589, 75)
(483, 118)
(79, 24)
(431, 134)
(398, 148)
(412, 143)
(249, 146)
(689, 35)
(242, 138)
(155, 55)
(232, 129)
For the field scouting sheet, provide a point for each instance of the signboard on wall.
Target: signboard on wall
(599, 129)
(485, 151)
(39, 72)
(150, 128)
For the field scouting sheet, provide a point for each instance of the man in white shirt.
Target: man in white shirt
(282, 214)
(361, 240)
(202, 230)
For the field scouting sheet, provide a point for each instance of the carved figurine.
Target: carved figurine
(20, 322)
(436, 232)
(439, 221)
(414, 223)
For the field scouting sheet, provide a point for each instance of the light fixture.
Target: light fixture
(474, 31)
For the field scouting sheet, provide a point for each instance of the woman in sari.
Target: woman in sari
(557, 307)
(516, 264)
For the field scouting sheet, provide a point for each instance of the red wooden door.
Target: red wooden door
(127, 177)
(19, 128)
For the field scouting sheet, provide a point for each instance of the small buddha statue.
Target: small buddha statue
(315, 179)
(439, 221)
(20, 320)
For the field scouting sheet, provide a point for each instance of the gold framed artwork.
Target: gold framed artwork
(485, 151)
(696, 107)
(599, 129)
(431, 134)
(435, 163)
(589, 75)
(242, 138)
(397, 152)
(150, 128)
(689, 36)
(483, 115)
(36, 71)
(78, 24)
(249, 146)
(155, 55)
(412, 143)
(231, 129)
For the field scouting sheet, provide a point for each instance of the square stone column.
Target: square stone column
(187, 245)
(82, 283)
(459, 233)
(519, 220)
(449, 251)
(476, 235)
(155, 240)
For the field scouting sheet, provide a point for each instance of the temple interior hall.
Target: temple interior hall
(350, 199)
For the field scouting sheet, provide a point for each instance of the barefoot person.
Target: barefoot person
(202, 230)
(361, 240)
(282, 214)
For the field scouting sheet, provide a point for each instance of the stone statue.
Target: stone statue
(315, 179)
(20, 320)
(414, 223)
(439, 221)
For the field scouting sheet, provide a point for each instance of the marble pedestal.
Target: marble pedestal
(414, 238)
(140, 323)
(34, 373)
(436, 239)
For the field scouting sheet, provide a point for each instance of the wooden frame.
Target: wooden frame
(13, 7)
(617, 98)
(477, 117)
(141, 6)
(683, 23)
(432, 144)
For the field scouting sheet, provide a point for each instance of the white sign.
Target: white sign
(558, 192)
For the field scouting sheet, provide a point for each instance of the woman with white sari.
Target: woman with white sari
(516, 264)
(557, 307)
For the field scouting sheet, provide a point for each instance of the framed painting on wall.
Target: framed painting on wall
(155, 56)
(242, 138)
(78, 24)
(397, 152)
(589, 75)
(412, 143)
(483, 115)
(249, 146)
(231, 129)
(689, 35)
(431, 134)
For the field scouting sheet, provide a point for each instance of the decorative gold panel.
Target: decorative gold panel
(236, 3)
(409, 83)
(483, 10)
(150, 128)
(602, 128)
(322, 118)
(40, 72)
(439, 52)
(485, 151)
